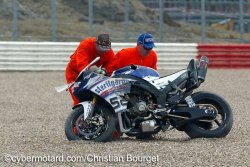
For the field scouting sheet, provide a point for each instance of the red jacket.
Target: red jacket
(84, 54)
(130, 56)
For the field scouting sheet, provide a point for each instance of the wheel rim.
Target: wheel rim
(90, 128)
(220, 115)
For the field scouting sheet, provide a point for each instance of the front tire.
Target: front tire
(206, 129)
(76, 128)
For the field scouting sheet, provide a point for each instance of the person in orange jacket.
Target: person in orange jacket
(142, 54)
(87, 51)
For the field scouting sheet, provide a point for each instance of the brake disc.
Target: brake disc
(85, 128)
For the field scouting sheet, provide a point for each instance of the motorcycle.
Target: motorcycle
(137, 102)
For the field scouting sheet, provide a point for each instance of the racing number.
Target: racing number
(117, 103)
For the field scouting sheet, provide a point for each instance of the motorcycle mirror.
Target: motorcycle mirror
(63, 87)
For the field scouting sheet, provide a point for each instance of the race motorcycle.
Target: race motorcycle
(136, 101)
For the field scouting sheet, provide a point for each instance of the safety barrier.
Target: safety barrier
(40, 56)
(226, 55)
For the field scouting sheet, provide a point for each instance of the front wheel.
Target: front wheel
(220, 126)
(99, 127)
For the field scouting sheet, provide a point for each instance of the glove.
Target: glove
(101, 71)
(93, 68)
(133, 67)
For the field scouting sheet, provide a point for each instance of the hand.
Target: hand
(101, 71)
(93, 68)
(133, 67)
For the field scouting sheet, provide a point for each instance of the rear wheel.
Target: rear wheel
(217, 128)
(99, 127)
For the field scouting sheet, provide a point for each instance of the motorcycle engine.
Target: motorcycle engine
(141, 106)
(148, 126)
(138, 107)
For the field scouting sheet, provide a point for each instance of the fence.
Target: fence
(226, 55)
(40, 56)
(168, 20)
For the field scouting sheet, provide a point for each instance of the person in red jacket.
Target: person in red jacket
(142, 54)
(87, 51)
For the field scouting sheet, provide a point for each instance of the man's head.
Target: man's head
(145, 43)
(103, 43)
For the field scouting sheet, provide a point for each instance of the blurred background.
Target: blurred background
(215, 21)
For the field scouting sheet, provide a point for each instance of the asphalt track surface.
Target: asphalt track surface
(32, 116)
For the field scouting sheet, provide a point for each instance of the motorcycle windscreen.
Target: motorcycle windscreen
(87, 80)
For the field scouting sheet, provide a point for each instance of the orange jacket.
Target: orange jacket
(130, 56)
(84, 54)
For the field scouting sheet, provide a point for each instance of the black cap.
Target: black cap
(103, 42)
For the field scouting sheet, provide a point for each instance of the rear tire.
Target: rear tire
(106, 135)
(203, 129)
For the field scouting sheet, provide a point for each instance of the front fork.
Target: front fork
(93, 102)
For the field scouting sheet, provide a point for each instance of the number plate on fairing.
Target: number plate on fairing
(112, 91)
(118, 103)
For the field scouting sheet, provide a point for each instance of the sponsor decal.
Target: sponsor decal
(87, 76)
(149, 40)
(109, 84)
(75, 86)
(91, 80)
(119, 88)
